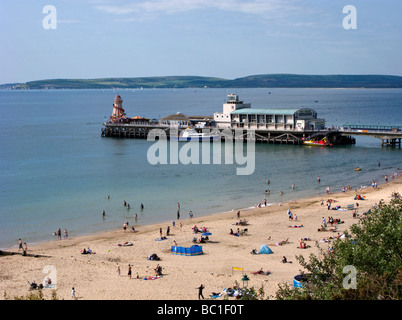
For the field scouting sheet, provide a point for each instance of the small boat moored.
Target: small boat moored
(192, 135)
(317, 142)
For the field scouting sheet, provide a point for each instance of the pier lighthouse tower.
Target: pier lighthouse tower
(118, 111)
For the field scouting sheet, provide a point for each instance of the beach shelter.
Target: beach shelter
(265, 249)
(191, 251)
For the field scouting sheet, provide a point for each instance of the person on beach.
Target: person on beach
(118, 270)
(129, 271)
(200, 288)
(59, 233)
(103, 214)
(20, 245)
(65, 234)
(178, 211)
(124, 226)
(73, 293)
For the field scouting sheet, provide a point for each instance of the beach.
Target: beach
(224, 260)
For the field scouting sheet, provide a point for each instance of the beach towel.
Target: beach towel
(161, 239)
(296, 226)
(125, 244)
(266, 273)
(152, 278)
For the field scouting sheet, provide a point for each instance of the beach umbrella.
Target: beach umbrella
(207, 234)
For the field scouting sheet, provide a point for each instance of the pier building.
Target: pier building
(182, 120)
(223, 119)
(237, 114)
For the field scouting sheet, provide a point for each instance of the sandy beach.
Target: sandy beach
(95, 277)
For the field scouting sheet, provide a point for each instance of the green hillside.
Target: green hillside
(253, 81)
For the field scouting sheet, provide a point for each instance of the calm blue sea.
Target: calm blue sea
(57, 171)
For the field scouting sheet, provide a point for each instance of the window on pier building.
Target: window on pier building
(261, 118)
(279, 119)
(253, 118)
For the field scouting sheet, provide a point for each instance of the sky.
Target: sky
(219, 38)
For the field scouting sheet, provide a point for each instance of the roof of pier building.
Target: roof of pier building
(299, 112)
(177, 117)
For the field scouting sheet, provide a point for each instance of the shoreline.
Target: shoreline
(94, 276)
(154, 226)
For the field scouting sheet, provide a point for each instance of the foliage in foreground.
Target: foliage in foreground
(372, 250)
(33, 295)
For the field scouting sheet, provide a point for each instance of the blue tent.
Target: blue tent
(192, 251)
(264, 249)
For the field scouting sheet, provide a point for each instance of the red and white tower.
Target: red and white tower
(118, 111)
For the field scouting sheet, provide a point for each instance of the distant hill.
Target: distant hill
(253, 81)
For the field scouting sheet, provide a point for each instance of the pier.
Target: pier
(276, 126)
(295, 137)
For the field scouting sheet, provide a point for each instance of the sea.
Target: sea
(57, 171)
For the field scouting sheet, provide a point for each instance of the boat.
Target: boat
(358, 169)
(317, 142)
(192, 135)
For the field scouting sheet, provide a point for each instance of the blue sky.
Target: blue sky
(222, 38)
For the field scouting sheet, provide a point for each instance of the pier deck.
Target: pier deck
(278, 136)
(389, 135)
